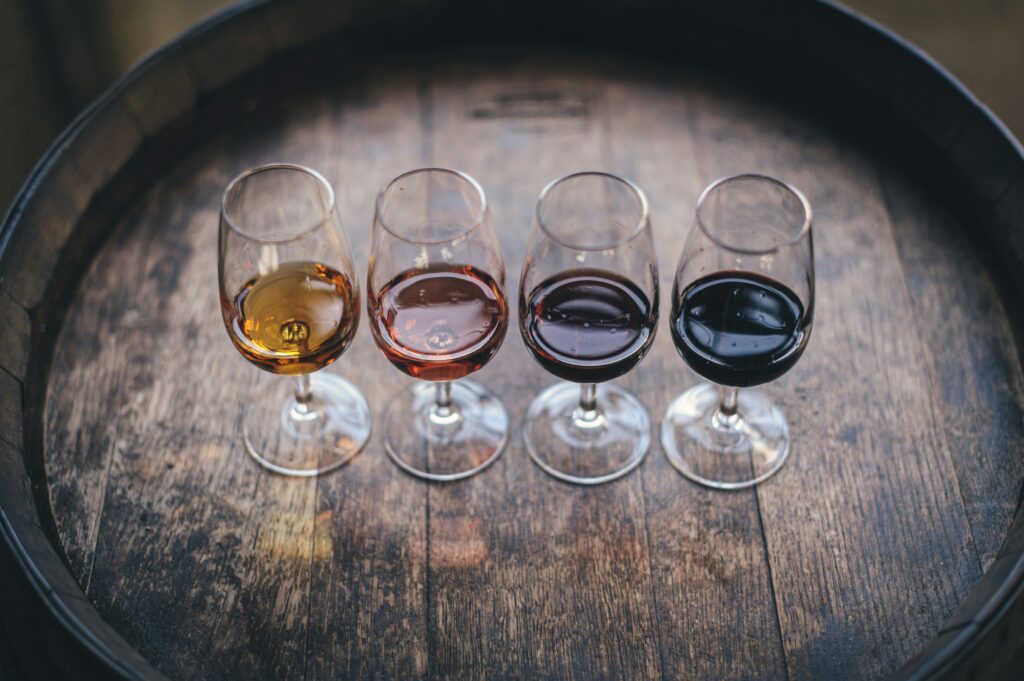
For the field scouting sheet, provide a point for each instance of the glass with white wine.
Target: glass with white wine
(290, 302)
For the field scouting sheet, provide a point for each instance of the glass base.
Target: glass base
(307, 440)
(444, 445)
(724, 452)
(587, 447)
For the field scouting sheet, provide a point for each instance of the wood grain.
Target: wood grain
(14, 337)
(867, 520)
(367, 616)
(485, 535)
(30, 256)
(708, 551)
(976, 376)
(841, 567)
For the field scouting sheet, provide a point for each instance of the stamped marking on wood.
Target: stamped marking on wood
(536, 110)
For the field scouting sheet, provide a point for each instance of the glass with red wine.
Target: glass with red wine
(588, 312)
(438, 312)
(742, 308)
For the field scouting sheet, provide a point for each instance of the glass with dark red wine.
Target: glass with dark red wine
(588, 311)
(742, 307)
(438, 312)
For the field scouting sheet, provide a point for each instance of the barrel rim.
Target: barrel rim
(999, 596)
(106, 98)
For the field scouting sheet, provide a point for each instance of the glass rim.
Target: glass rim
(379, 219)
(805, 204)
(255, 170)
(641, 224)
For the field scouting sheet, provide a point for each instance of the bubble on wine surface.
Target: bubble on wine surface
(441, 336)
(294, 332)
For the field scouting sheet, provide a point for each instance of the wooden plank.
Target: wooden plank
(976, 376)
(368, 590)
(865, 523)
(1007, 224)
(910, 86)
(40, 648)
(226, 51)
(101, 148)
(166, 90)
(988, 163)
(96, 354)
(301, 22)
(234, 556)
(11, 425)
(31, 253)
(529, 576)
(715, 607)
(18, 510)
(15, 488)
(14, 336)
(87, 161)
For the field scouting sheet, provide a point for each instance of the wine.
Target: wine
(739, 328)
(439, 323)
(588, 325)
(294, 320)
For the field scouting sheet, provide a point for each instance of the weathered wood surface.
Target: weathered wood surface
(842, 566)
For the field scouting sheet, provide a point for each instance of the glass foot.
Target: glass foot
(724, 452)
(587, 447)
(307, 439)
(445, 444)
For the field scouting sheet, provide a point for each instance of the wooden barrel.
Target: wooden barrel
(139, 542)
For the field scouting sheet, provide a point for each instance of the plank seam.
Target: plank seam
(602, 109)
(10, 296)
(107, 469)
(650, 577)
(309, 591)
(21, 399)
(136, 120)
(955, 139)
(55, 602)
(781, 649)
(928, 362)
(193, 76)
(1005, 190)
(771, 585)
(248, 521)
(426, 121)
(427, 592)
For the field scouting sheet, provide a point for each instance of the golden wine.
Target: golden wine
(295, 320)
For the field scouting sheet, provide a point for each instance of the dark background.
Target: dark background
(57, 55)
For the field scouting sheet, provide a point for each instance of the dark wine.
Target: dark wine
(739, 328)
(297, 319)
(588, 325)
(440, 323)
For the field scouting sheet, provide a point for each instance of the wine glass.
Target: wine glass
(438, 312)
(290, 302)
(588, 312)
(742, 307)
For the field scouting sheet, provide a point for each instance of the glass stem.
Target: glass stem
(727, 416)
(303, 397)
(443, 399)
(588, 397)
(587, 414)
(730, 397)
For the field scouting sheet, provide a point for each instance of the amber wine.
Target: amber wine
(295, 320)
(439, 323)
